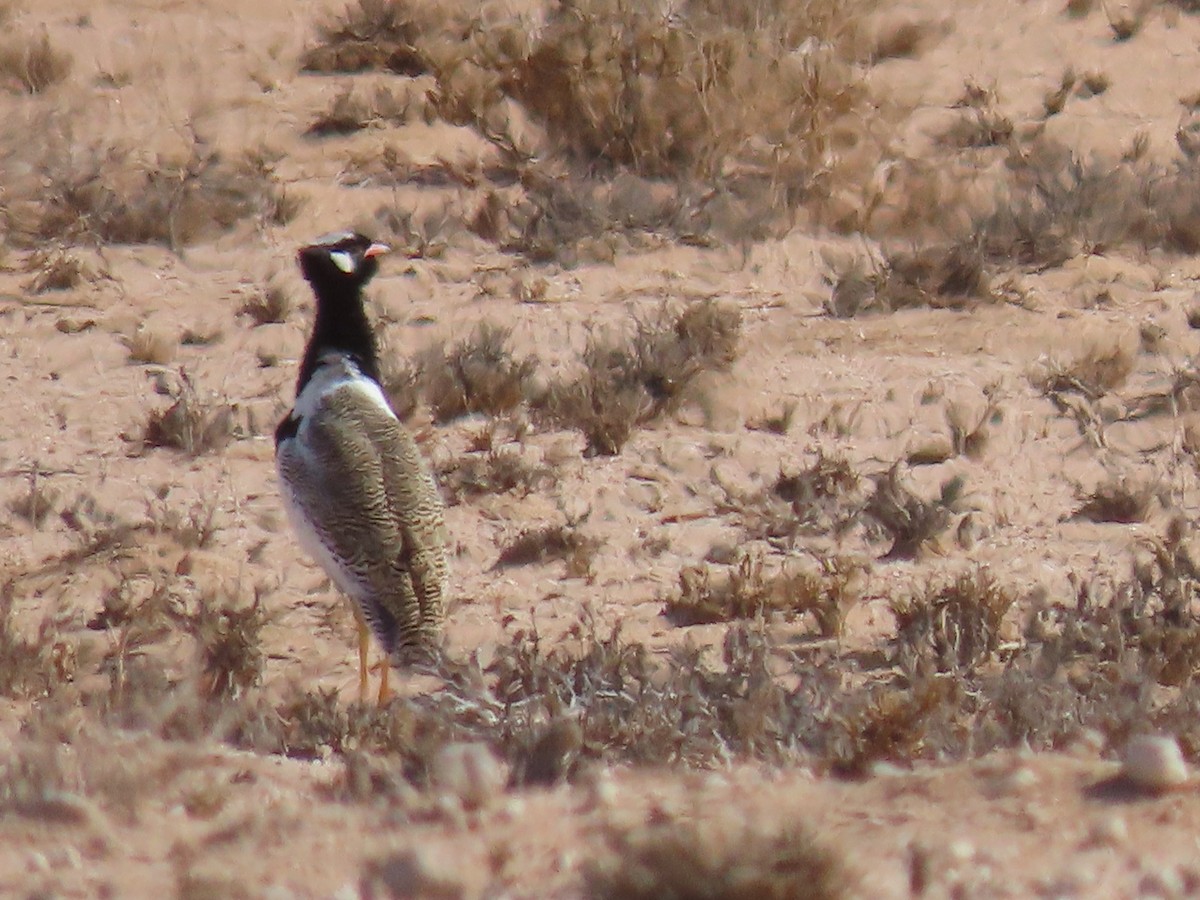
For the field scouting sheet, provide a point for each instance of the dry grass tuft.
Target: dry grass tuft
(190, 423)
(692, 859)
(630, 382)
(479, 374)
(909, 520)
(270, 304)
(32, 65)
(951, 626)
(150, 346)
(981, 123)
(353, 110)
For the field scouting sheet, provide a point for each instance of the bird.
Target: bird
(360, 497)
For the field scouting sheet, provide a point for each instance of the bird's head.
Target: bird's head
(346, 259)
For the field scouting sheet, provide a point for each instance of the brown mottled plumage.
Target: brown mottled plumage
(359, 494)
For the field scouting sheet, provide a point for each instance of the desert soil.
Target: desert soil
(144, 814)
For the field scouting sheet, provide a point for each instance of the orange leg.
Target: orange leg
(364, 646)
(385, 693)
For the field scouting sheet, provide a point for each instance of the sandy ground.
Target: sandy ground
(202, 819)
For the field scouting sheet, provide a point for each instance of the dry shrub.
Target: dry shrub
(950, 626)
(764, 104)
(36, 504)
(228, 636)
(75, 191)
(617, 82)
(1102, 366)
(352, 110)
(547, 543)
(823, 498)
(377, 34)
(630, 382)
(938, 276)
(55, 268)
(30, 666)
(746, 591)
(892, 723)
(909, 520)
(1119, 499)
(191, 424)
(31, 65)
(479, 374)
(981, 123)
(706, 859)
(494, 471)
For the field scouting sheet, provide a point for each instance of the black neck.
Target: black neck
(341, 326)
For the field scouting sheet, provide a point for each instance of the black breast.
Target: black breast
(287, 428)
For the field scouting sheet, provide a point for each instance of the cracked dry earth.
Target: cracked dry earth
(130, 811)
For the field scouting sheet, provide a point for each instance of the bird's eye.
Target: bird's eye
(343, 261)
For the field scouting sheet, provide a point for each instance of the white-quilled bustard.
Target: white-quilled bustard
(359, 495)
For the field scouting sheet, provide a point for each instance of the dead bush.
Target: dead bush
(30, 666)
(149, 345)
(628, 383)
(980, 123)
(352, 110)
(31, 64)
(479, 374)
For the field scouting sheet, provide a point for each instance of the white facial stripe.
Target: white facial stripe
(342, 260)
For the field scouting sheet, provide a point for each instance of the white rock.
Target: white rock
(1154, 762)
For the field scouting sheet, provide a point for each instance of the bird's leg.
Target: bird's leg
(385, 693)
(364, 646)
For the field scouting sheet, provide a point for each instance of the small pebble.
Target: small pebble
(1154, 762)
